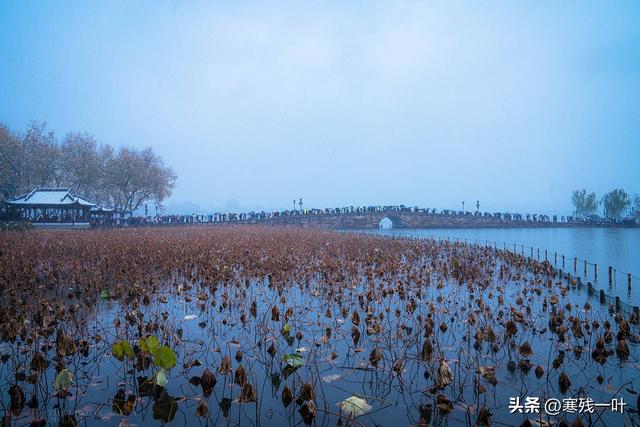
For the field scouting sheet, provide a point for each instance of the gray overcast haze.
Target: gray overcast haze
(514, 104)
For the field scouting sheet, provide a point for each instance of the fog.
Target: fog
(342, 103)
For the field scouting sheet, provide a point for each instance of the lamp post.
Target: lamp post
(294, 205)
(478, 205)
(463, 206)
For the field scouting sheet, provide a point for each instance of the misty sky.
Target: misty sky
(342, 103)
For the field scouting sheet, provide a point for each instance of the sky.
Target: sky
(253, 104)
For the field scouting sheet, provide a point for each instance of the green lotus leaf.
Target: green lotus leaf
(164, 357)
(294, 360)
(286, 329)
(122, 349)
(149, 344)
(63, 380)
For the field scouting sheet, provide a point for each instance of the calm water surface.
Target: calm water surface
(617, 247)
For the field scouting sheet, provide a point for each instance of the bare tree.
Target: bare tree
(11, 162)
(41, 161)
(636, 206)
(616, 203)
(82, 165)
(136, 177)
(584, 203)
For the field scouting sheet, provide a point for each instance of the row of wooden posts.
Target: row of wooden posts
(602, 295)
(575, 265)
(575, 262)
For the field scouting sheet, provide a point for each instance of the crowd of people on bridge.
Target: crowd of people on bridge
(254, 217)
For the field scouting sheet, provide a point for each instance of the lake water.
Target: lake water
(616, 247)
(253, 326)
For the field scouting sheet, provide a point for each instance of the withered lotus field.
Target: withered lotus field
(268, 327)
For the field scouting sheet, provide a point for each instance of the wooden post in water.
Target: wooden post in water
(618, 304)
(629, 281)
(602, 297)
(531, 252)
(610, 275)
(563, 261)
(538, 254)
(575, 265)
(585, 267)
(515, 251)
(545, 255)
(595, 271)
(555, 259)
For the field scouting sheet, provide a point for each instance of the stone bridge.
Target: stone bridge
(399, 219)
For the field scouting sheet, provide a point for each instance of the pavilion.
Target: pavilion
(52, 206)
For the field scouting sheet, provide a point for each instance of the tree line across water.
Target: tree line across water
(122, 178)
(615, 204)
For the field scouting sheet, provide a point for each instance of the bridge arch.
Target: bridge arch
(386, 223)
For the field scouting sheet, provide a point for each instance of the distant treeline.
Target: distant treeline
(122, 178)
(615, 204)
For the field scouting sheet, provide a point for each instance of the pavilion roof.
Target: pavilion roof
(50, 197)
